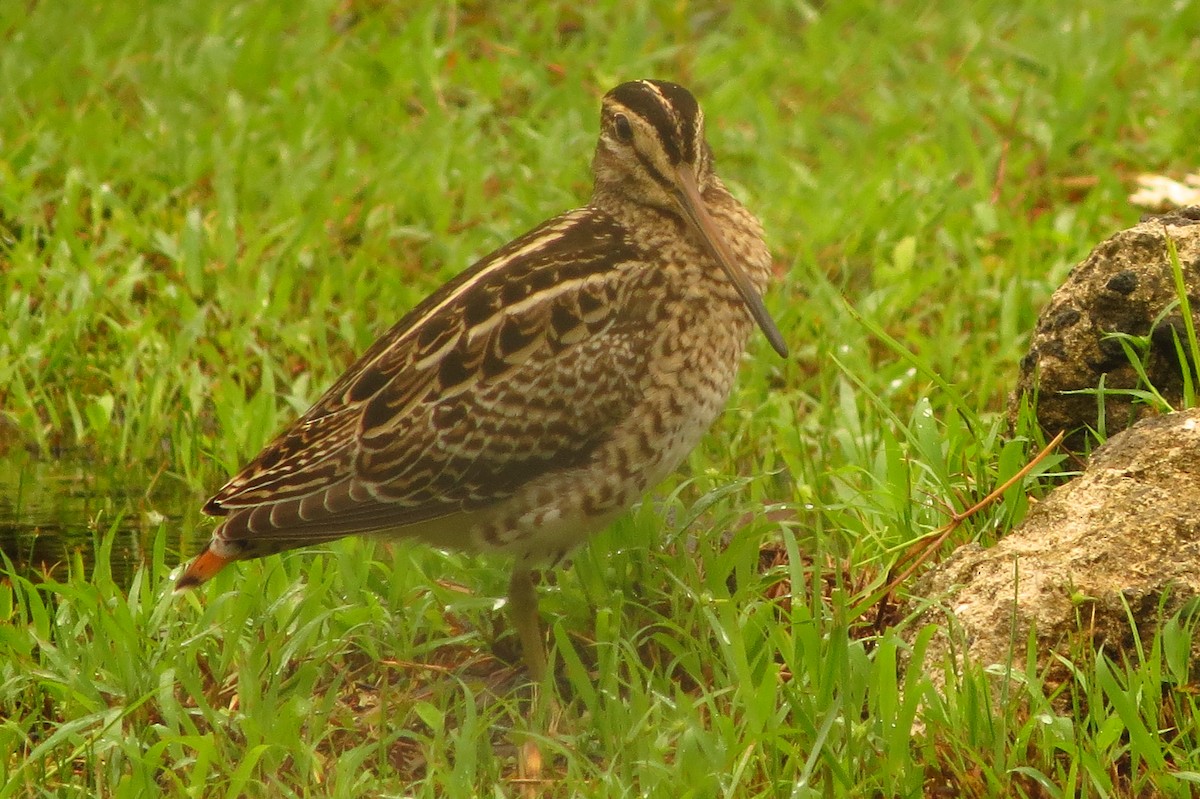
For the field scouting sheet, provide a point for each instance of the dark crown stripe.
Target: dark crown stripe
(687, 114)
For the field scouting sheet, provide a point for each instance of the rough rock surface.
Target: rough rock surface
(1123, 286)
(1121, 539)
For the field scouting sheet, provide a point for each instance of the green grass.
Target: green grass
(206, 208)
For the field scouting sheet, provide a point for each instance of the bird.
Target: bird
(538, 395)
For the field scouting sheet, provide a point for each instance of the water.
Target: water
(55, 510)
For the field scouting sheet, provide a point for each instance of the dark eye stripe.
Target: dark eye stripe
(653, 172)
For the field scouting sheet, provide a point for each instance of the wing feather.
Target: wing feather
(517, 367)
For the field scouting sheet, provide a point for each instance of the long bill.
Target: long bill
(692, 205)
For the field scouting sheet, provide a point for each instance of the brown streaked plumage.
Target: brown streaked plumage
(540, 393)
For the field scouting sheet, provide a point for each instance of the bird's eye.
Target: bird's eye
(623, 129)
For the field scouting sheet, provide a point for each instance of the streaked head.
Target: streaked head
(649, 129)
(652, 152)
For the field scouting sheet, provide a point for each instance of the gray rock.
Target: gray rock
(1123, 286)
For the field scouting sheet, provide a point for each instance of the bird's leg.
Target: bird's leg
(523, 613)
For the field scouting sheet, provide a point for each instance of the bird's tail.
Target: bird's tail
(200, 570)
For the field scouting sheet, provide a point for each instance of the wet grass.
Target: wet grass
(207, 208)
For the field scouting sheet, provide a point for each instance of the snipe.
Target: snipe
(539, 394)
